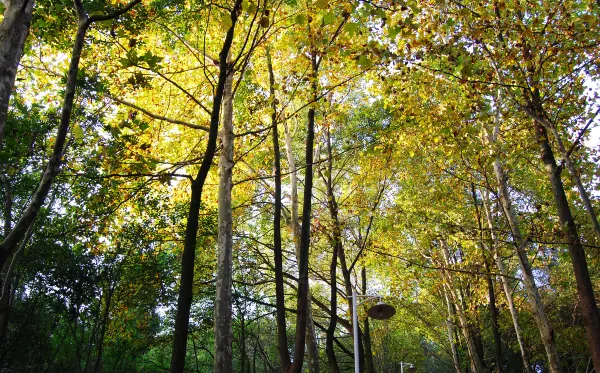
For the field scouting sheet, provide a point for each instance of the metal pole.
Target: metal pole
(355, 327)
(401, 367)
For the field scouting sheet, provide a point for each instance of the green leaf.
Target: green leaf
(251, 8)
(132, 57)
(151, 59)
(351, 28)
(364, 61)
(394, 31)
(328, 18)
(226, 21)
(466, 68)
(321, 4)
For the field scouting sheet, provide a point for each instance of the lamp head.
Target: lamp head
(381, 311)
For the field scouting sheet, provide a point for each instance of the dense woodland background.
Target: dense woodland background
(193, 185)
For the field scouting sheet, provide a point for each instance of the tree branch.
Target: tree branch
(158, 117)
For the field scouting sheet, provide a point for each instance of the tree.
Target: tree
(414, 129)
(12, 239)
(13, 33)
(187, 259)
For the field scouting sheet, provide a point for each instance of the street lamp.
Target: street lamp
(411, 368)
(380, 311)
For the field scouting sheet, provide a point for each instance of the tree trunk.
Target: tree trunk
(507, 289)
(282, 342)
(10, 241)
(333, 365)
(538, 312)
(367, 333)
(537, 308)
(494, 320)
(302, 305)
(312, 348)
(585, 289)
(491, 290)
(5, 301)
(571, 167)
(184, 298)
(223, 362)
(311, 336)
(348, 288)
(6, 272)
(337, 240)
(450, 324)
(243, 357)
(13, 33)
(105, 321)
(477, 363)
(575, 176)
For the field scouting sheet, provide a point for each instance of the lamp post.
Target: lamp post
(411, 369)
(380, 311)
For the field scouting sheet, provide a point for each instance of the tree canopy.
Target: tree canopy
(201, 186)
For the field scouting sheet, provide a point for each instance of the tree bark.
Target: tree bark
(451, 326)
(575, 176)
(223, 362)
(367, 333)
(337, 240)
(507, 290)
(329, 349)
(243, 357)
(312, 347)
(6, 272)
(10, 241)
(302, 305)
(538, 311)
(491, 290)
(184, 298)
(13, 33)
(105, 321)
(5, 301)
(311, 336)
(585, 289)
(494, 320)
(282, 342)
(477, 363)
(520, 244)
(570, 166)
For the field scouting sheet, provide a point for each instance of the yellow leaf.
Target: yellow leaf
(226, 22)
(77, 132)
